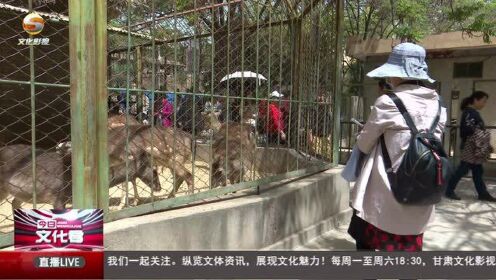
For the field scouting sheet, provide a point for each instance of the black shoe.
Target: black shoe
(453, 196)
(487, 197)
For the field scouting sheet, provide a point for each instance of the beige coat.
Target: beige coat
(371, 195)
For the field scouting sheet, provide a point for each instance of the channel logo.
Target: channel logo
(33, 24)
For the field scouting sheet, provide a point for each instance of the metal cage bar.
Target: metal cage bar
(142, 48)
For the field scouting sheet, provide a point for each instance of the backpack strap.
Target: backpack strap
(401, 107)
(385, 154)
(409, 122)
(436, 119)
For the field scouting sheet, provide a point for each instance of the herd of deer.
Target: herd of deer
(170, 148)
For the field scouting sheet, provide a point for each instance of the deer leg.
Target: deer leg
(16, 204)
(182, 174)
(125, 195)
(136, 194)
(235, 176)
(218, 176)
(3, 195)
(60, 202)
(177, 184)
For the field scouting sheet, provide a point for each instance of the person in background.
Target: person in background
(271, 118)
(113, 104)
(167, 110)
(379, 221)
(470, 122)
(146, 108)
(122, 102)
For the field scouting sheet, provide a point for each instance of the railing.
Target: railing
(451, 140)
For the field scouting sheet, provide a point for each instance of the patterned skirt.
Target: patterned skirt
(377, 239)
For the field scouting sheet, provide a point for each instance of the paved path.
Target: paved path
(459, 225)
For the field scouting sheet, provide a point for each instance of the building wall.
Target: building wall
(442, 71)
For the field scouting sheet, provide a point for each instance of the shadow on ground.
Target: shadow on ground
(466, 225)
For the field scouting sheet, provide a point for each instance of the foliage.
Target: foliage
(410, 20)
(475, 16)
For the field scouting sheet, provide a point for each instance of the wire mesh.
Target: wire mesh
(202, 94)
(34, 110)
(240, 129)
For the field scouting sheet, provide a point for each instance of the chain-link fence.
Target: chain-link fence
(205, 98)
(34, 110)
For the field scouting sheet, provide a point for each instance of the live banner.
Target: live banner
(299, 265)
(246, 265)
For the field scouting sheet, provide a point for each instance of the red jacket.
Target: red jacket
(275, 123)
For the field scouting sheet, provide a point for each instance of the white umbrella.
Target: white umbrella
(243, 74)
(276, 94)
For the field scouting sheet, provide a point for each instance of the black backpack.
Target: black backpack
(424, 172)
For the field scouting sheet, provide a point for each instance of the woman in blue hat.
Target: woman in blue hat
(379, 221)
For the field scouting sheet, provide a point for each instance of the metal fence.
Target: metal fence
(140, 114)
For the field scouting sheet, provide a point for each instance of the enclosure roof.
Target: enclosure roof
(450, 41)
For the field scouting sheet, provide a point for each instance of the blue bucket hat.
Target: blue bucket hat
(406, 61)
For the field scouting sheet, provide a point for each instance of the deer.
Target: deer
(155, 141)
(53, 175)
(121, 120)
(183, 143)
(173, 149)
(234, 162)
(169, 147)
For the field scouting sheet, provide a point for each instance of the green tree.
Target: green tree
(411, 20)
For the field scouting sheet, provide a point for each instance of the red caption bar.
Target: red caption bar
(51, 265)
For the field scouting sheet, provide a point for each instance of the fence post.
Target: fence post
(337, 75)
(88, 66)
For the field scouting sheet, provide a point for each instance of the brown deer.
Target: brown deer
(120, 120)
(53, 175)
(233, 149)
(170, 148)
(113, 121)
(181, 140)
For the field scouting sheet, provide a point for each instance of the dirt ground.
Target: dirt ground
(117, 193)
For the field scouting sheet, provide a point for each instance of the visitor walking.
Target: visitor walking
(475, 146)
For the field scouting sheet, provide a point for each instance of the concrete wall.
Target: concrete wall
(282, 217)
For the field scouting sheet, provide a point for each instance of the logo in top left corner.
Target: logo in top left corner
(33, 24)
